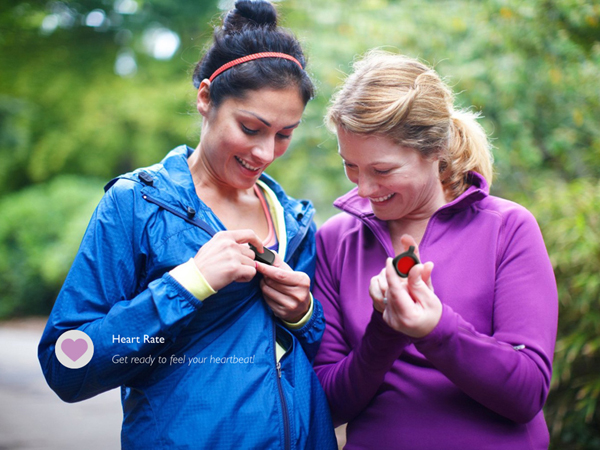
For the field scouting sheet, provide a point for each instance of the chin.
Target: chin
(386, 214)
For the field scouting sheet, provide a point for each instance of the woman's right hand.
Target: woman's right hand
(227, 258)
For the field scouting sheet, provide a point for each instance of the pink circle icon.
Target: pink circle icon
(74, 349)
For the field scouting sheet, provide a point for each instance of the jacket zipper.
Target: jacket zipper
(286, 422)
(302, 230)
(192, 220)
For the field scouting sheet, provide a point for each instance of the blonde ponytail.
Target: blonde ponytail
(468, 150)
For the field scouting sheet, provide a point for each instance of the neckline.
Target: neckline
(271, 238)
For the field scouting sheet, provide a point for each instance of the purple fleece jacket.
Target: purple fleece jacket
(479, 380)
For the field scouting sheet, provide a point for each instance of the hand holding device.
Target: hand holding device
(268, 257)
(286, 291)
(405, 261)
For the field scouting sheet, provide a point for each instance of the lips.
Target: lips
(381, 199)
(246, 165)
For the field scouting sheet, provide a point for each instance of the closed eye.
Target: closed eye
(382, 172)
(247, 130)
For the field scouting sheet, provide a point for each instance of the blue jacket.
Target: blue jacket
(215, 381)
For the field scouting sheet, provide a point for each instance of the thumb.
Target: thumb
(408, 241)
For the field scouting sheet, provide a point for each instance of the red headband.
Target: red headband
(251, 57)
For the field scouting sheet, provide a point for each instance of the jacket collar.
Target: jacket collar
(171, 184)
(177, 170)
(360, 207)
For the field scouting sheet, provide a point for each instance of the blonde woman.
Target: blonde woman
(458, 356)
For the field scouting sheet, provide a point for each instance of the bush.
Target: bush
(40, 230)
(568, 216)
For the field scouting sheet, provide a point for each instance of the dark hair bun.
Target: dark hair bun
(250, 14)
(249, 28)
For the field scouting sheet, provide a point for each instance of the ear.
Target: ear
(203, 99)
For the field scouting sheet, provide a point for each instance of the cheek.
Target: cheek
(281, 148)
(233, 141)
(351, 175)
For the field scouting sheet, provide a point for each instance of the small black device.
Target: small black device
(405, 261)
(268, 257)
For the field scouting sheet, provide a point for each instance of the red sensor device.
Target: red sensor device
(405, 261)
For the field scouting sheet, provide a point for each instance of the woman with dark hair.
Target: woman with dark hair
(193, 277)
(415, 357)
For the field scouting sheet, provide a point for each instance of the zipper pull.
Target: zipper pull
(278, 366)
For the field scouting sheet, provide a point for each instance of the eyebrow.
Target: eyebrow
(267, 123)
(372, 164)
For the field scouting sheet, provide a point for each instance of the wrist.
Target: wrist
(192, 279)
(302, 319)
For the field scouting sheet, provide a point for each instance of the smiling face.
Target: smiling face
(242, 136)
(399, 183)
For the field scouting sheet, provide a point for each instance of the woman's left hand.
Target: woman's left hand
(411, 306)
(286, 291)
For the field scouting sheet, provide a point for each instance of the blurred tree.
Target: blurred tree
(568, 216)
(95, 87)
(99, 87)
(532, 68)
(40, 231)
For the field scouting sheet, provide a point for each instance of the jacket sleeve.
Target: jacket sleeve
(339, 367)
(102, 298)
(510, 371)
(311, 333)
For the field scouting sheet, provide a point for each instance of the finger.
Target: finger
(375, 289)
(283, 306)
(383, 289)
(392, 279)
(417, 287)
(245, 237)
(279, 262)
(426, 275)
(284, 289)
(275, 295)
(382, 280)
(397, 294)
(280, 275)
(245, 273)
(400, 303)
(408, 241)
(269, 293)
(247, 252)
(376, 294)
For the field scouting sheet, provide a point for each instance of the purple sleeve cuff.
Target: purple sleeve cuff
(381, 330)
(381, 345)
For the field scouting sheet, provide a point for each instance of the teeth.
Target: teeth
(381, 199)
(246, 165)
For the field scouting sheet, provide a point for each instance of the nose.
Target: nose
(366, 185)
(264, 151)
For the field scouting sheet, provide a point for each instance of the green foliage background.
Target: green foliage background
(68, 124)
